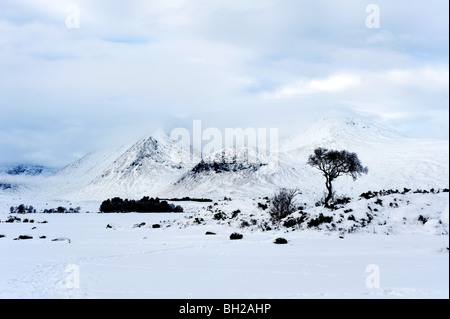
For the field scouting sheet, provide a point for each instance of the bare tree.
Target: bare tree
(334, 164)
(282, 204)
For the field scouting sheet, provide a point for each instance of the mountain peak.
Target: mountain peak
(159, 135)
(337, 129)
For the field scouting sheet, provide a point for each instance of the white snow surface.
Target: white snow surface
(127, 262)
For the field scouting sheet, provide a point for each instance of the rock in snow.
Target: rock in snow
(280, 241)
(235, 236)
(62, 239)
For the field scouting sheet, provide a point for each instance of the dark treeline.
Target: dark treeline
(188, 199)
(370, 194)
(24, 209)
(144, 205)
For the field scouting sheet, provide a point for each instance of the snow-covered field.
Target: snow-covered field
(127, 261)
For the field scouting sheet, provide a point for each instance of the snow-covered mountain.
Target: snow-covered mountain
(21, 178)
(26, 169)
(337, 130)
(231, 171)
(159, 166)
(128, 171)
(394, 161)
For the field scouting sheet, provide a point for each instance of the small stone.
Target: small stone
(62, 239)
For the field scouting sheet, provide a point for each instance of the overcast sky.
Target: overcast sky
(132, 66)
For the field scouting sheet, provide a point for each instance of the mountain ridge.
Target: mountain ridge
(159, 166)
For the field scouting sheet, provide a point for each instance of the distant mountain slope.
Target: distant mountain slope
(394, 161)
(26, 169)
(75, 177)
(159, 166)
(129, 171)
(338, 130)
(230, 171)
(18, 179)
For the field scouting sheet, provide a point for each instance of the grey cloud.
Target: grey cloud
(133, 67)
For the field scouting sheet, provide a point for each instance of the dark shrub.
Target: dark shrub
(198, 220)
(291, 222)
(235, 213)
(422, 219)
(178, 209)
(342, 200)
(245, 223)
(219, 216)
(367, 195)
(12, 219)
(263, 206)
(321, 219)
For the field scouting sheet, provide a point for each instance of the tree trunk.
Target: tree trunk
(330, 191)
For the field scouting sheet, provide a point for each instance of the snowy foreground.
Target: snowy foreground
(128, 259)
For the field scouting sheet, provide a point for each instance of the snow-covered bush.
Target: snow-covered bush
(321, 219)
(282, 204)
